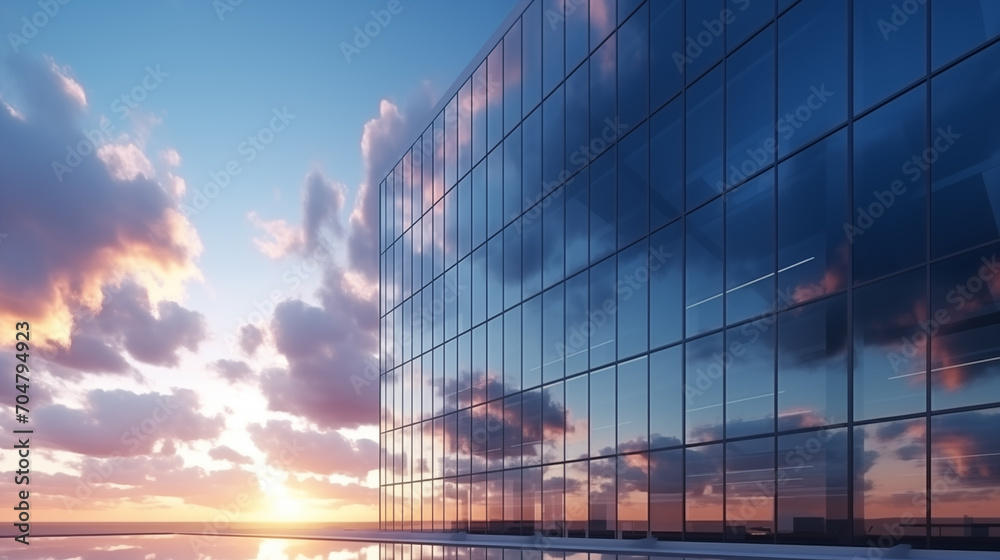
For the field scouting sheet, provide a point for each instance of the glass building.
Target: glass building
(703, 270)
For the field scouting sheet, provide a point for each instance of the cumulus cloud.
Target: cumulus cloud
(232, 371)
(226, 453)
(281, 238)
(250, 338)
(307, 451)
(105, 220)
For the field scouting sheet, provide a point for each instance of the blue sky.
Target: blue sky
(209, 77)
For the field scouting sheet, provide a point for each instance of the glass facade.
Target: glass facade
(718, 270)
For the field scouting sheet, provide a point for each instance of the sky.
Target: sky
(188, 225)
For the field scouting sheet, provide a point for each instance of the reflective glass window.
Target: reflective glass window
(512, 431)
(577, 225)
(602, 304)
(464, 138)
(749, 490)
(531, 342)
(633, 414)
(633, 186)
(578, 137)
(602, 412)
(750, 249)
(745, 17)
(532, 427)
(957, 27)
(812, 487)
(553, 340)
(633, 300)
(704, 492)
(553, 141)
(749, 365)
(666, 164)
(666, 403)
(666, 281)
(703, 254)
(494, 358)
(479, 201)
(633, 68)
(577, 353)
(554, 422)
(552, 505)
(531, 160)
(890, 48)
(511, 266)
(577, 500)
(633, 495)
(603, 498)
(602, 21)
(553, 33)
(513, 203)
(577, 417)
(531, 251)
(703, 387)
(494, 191)
(750, 144)
(603, 105)
(704, 26)
(480, 84)
(531, 62)
(512, 350)
(512, 77)
(602, 206)
(480, 273)
(703, 143)
(553, 237)
(666, 493)
(666, 50)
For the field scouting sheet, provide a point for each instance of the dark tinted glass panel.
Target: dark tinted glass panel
(703, 388)
(890, 347)
(750, 249)
(666, 164)
(554, 419)
(750, 142)
(494, 435)
(531, 62)
(577, 120)
(633, 68)
(494, 195)
(495, 96)
(480, 85)
(464, 138)
(703, 300)
(552, 44)
(602, 206)
(464, 294)
(633, 417)
(602, 412)
(890, 482)
(553, 237)
(666, 278)
(666, 45)
(965, 154)
(890, 193)
(513, 204)
(577, 324)
(890, 48)
(512, 350)
(812, 488)
(602, 319)
(703, 143)
(704, 27)
(957, 27)
(531, 251)
(633, 186)
(494, 359)
(812, 364)
(633, 300)
(511, 266)
(749, 364)
(577, 222)
(704, 491)
(965, 480)
(531, 343)
(812, 210)
(666, 403)
(749, 499)
(553, 338)
(602, 21)
(812, 71)
(666, 493)
(480, 368)
(531, 428)
(577, 417)
(479, 200)
(603, 108)
(531, 160)
(745, 17)
(480, 273)
(494, 291)
(965, 329)
(577, 33)
(553, 141)
(512, 77)
(603, 498)
(512, 431)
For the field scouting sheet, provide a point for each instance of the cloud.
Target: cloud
(281, 240)
(91, 227)
(323, 202)
(321, 453)
(226, 453)
(250, 338)
(123, 422)
(171, 157)
(232, 371)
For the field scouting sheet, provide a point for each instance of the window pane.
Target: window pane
(812, 365)
(494, 359)
(633, 391)
(890, 48)
(703, 388)
(512, 77)
(578, 137)
(666, 164)
(577, 509)
(746, 17)
(603, 108)
(633, 495)
(703, 143)
(494, 192)
(513, 204)
(890, 470)
(554, 422)
(890, 347)
(666, 46)
(666, 493)
(666, 375)
(965, 480)
(957, 27)
(512, 350)
(577, 417)
(577, 224)
(633, 186)
(553, 141)
(750, 490)
(890, 192)
(704, 491)
(602, 327)
(633, 300)
(553, 515)
(464, 136)
(812, 210)
(479, 201)
(812, 71)
(703, 300)
(602, 21)
(666, 295)
(553, 341)
(965, 330)
(603, 498)
(633, 68)
(479, 112)
(602, 206)
(511, 265)
(531, 342)
(812, 488)
(602, 412)
(966, 179)
(704, 42)
(750, 249)
(531, 62)
(531, 432)
(531, 160)
(552, 45)
(750, 142)
(553, 238)
(577, 33)
(749, 361)
(531, 252)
